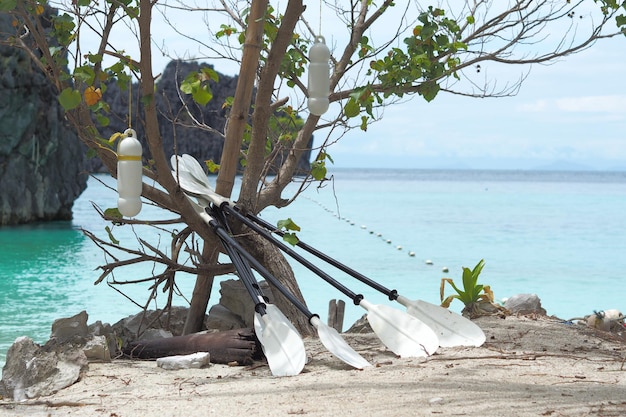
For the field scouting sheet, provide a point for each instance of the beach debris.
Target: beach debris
(240, 345)
(195, 360)
(607, 320)
(524, 304)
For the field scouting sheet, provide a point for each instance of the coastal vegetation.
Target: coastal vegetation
(430, 51)
(477, 298)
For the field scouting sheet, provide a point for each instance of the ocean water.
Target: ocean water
(560, 235)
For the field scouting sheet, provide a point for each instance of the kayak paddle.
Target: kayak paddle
(403, 334)
(282, 345)
(329, 337)
(451, 328)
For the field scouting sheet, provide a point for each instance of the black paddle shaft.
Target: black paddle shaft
(230, 241)
(356, 298)
(244, 273)
(392, 294)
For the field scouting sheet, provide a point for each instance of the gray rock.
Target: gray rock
(69, 328)
(221, 318)
(104, 329)
(524, 304)
(149, 325)
(360, 326)
(97, 349)
(236, 299)
(153, 334)
(32, 371)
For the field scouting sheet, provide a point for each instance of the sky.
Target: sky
(568, 115)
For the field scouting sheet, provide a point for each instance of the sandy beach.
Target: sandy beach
(529, 366)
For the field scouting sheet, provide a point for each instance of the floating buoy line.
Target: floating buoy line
(371, 232)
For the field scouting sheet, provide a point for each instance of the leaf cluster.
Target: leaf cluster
(429, 56)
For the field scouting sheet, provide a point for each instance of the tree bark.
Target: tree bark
(201, 293)
(230, 154)
(262, 108)
(274, 261)
(242, 100)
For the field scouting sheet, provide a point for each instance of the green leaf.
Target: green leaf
(469, 281)
(7, 5)
(202, 95)
(102, 120)
(69, 98)
(94, 58)
(364, 120)
(352, 108)
(85, 74)
(210, 74)
(212, 166)
(197, 85)
(291, 238)
(429, 90)
(113, 213)
(287, 224)
(470, 20)
(318, 170)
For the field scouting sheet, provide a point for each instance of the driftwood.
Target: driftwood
(238, 345)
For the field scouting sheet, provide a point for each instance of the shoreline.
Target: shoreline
(529, 366)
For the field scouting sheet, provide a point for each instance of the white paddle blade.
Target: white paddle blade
(189, 164)
(451, 328)
(337, 345)
(403, 334)
(278, 315)
(283, 348)
(189, 180)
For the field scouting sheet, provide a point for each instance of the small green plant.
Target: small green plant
(478, 298)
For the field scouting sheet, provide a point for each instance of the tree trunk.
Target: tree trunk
(274, 261)
(243, 98)
(201, 293)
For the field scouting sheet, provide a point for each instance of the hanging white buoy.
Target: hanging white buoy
(319, 77)
(129, 170)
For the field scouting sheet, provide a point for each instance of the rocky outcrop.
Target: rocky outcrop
(41, 158)
(32, 370)
(178, 116)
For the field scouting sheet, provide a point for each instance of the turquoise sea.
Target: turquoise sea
(561, 235)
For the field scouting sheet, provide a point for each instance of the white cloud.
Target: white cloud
(603, 104)
(535, 106)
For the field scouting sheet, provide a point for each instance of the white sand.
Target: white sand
(527, 367)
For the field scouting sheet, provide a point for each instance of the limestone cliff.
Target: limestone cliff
(41, 158)
(178, 115)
